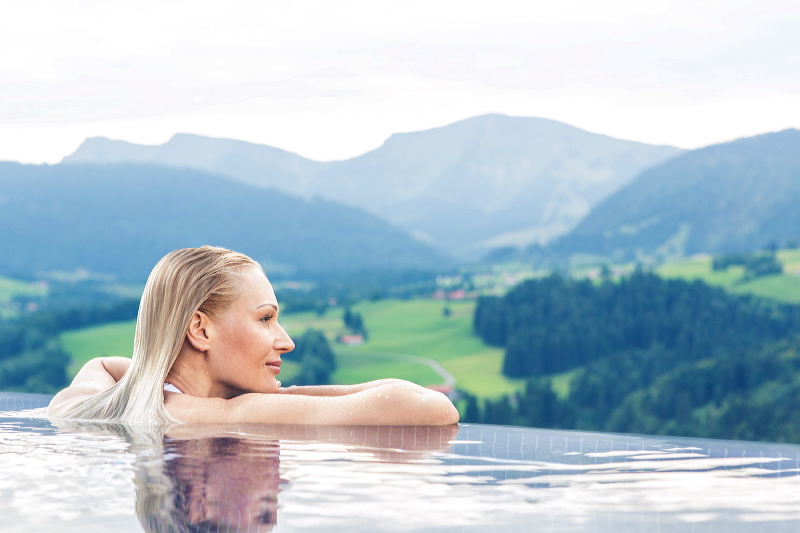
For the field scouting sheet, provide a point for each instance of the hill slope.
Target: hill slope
(120, 219)
(485, 181)
(737, 196)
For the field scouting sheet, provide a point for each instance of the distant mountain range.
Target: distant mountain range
(737, 196)
(120, 219)
(461, 189)
(483, 182)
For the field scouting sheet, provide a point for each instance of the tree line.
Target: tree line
(555, 324)
(316, 358)
(755, 264)
(31, 356)
(645, 355)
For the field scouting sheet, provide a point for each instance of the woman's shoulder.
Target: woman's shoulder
(68, 397)
(97, 375)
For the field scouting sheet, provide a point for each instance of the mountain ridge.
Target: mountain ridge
(729, 197)
(445, 184)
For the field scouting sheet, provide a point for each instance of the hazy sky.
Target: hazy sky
(333, 79)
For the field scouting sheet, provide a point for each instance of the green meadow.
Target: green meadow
(106, 340)
(418, 328)
(782, 287)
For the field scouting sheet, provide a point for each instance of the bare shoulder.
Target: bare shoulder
(395, 404)
(69, 397)
(97, 375)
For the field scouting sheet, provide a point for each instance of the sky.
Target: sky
(331, 80)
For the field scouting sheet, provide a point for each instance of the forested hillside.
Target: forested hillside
(118, 220)
(734, 197)
(646, 355)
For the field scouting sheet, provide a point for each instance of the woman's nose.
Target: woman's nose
(283, 343)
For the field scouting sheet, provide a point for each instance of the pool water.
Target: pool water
(57, 477)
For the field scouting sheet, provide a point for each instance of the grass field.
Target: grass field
(113, 339)
(784, 287)
(9, 288)
(418, 328)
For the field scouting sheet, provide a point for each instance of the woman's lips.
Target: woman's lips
(275, 366)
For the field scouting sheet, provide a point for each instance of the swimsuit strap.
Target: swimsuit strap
(172, 388)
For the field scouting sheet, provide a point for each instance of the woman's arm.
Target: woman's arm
(336, 390)
(115, 366)
(396, 403)
(99, 374)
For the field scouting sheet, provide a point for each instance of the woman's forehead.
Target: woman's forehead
(256, 289)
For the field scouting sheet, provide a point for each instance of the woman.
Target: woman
(208, 349)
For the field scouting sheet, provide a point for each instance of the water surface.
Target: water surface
(471, 478)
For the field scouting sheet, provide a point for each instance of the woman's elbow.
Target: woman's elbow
(453, 416)
(434, 408)
(446, 414)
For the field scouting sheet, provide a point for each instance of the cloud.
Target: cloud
(332, 79)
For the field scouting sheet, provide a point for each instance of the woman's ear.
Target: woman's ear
(197, 333)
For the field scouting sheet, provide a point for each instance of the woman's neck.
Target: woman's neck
(190, 374)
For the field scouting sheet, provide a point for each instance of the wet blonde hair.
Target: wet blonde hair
(184, 281)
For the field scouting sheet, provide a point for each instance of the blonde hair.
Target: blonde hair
(183, 282)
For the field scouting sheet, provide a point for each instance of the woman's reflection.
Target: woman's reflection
(221, 484)
(228, 479)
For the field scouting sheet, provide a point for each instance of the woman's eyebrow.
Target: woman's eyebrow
(268, 304)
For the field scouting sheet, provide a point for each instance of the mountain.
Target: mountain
(120, 219)
(253, 164)
(483, 182)
(731, 197)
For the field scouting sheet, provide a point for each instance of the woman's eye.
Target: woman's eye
(266, 318)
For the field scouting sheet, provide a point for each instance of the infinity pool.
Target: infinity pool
(470, 478)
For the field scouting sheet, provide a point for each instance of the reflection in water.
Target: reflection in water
(210, 484)
(89, 478)
(227, 478)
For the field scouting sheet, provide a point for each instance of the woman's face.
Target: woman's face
(247, 341)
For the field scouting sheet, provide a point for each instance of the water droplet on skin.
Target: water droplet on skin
(379, 395)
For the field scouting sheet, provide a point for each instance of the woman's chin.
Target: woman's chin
(270, 387)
